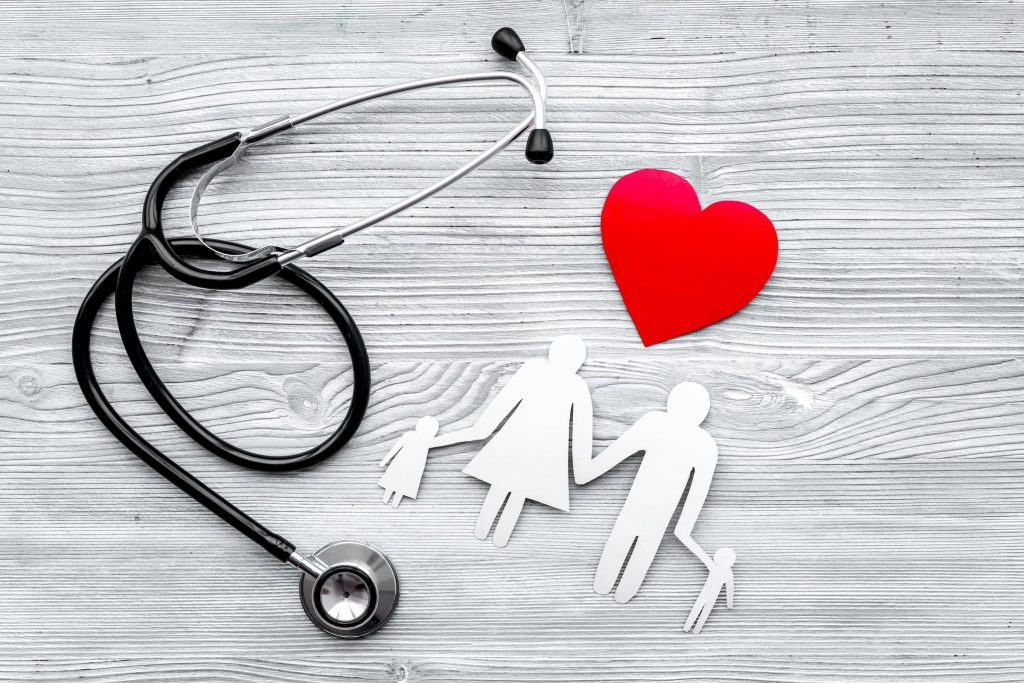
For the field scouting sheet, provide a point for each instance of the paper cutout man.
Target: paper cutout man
(408, 457)
(674, 447)
(528, 458)
(720, 575)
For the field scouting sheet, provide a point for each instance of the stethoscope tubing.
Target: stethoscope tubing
(119, 280)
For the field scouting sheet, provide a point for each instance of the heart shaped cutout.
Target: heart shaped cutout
(680, 268)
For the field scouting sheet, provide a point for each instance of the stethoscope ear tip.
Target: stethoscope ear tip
(539, 147)
(507, 43)
(355, 594)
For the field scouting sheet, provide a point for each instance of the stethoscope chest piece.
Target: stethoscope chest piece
(355, 593)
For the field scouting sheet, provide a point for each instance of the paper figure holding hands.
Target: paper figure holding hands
(674, 446)
(719, 576)
(408, 457)
(528, 458)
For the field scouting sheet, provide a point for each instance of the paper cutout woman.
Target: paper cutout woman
(528, 458)
(408, 457)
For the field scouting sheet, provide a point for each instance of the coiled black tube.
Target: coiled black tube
(120, 278)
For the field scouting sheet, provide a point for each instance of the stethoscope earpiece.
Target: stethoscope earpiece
(507, 43)
(539, 147)
(352, 590)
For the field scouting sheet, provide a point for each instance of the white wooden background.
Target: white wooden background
(868, 406)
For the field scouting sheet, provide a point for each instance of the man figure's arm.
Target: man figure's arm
(586, 469)
(703, 471)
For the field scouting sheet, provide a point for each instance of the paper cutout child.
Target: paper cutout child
(528, 458)
(674, 446)
(719, 576)
(408, 457)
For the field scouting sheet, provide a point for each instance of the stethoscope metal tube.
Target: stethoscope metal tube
(335, 237)
(348, 588)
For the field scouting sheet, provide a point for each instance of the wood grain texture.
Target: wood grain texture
(868, 405)
(659, 27)
(897, 204)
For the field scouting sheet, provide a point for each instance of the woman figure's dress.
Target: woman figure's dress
(529, 455)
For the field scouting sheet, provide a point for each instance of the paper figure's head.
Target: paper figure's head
(689, 402)
(427, 426)
(567, 352)
(725, 557)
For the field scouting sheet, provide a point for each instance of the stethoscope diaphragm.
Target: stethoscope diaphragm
(356, 591)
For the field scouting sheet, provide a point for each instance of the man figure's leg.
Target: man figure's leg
(615, 550)
(647, 545)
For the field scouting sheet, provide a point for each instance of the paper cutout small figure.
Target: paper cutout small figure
(528, 457)
(719, 576)
(408, 457)
(674, 447)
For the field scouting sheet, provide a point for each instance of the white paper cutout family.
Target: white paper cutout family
(527, 459)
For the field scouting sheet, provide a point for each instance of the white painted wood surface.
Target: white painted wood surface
(867, 406)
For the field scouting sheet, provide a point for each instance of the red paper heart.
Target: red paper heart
(679, 268)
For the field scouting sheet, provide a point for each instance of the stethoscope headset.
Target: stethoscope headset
(348, 588)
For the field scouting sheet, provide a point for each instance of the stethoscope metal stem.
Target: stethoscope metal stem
(335, 237)
(309, 566)
(538, 101)
(542, 86)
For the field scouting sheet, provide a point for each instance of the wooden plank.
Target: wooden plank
(662, 27)
(666, 27)
(161, 27)
(767, 411)
(109, 111)
(844, 303)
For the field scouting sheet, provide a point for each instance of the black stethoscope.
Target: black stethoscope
(348, 589)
